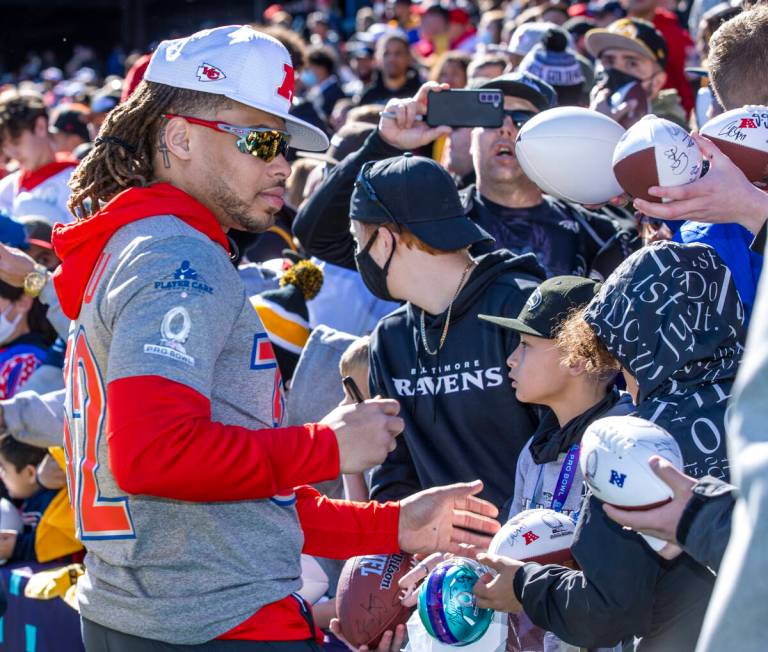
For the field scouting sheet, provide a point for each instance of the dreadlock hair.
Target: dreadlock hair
(123, 154)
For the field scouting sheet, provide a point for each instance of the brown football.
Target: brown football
(655, 152)
(368, 597)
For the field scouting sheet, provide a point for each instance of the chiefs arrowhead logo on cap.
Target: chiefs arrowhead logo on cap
(207, 72)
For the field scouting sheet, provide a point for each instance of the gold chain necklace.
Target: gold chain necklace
(444, 334)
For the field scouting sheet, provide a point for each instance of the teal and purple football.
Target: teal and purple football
(447, 605)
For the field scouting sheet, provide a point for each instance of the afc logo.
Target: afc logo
(529, 537)
(263, 358)
(747, 123)
(209, 73)
(618, 478)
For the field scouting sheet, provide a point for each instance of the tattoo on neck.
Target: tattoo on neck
(164, 148)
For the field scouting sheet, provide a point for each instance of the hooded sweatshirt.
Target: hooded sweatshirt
(462, 420)
(182, 473)
(671, 315)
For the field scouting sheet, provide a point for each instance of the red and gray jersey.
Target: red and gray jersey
(188, 491)
(165, 302)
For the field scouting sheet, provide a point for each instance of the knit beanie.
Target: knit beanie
(284, 315)
(552, 61)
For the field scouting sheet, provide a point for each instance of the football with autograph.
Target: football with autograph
(368, 597)
(540, 535)
(742, 135)
(655, 152)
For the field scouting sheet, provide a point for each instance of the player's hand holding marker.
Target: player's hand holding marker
(365, 432)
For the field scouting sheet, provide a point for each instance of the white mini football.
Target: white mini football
(614, 461)
(655, 152)
(568, 153)
(10, 517)
(742, 135)
(541, 535)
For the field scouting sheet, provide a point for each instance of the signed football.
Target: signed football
(614, 461)
(368, 597)
(567, 152)
(742, 135)
(540, 535)
(655, 152)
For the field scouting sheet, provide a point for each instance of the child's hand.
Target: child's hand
(7, 544)
(498, 592)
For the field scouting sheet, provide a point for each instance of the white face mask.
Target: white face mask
(8, 326)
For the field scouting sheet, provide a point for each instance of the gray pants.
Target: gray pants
(103, 639)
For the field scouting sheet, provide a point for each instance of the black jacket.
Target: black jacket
(377, 93)
(671, 315)
(462, 420)
(705, 526)
(566, 238)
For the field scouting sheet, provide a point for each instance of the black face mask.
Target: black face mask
(374, 277)
(613, 79)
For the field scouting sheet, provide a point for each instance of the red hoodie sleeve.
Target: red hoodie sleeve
(340, 529)
(163, 443)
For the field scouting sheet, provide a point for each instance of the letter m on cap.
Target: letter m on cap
(617, 478)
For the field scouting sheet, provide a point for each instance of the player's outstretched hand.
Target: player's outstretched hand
(498, 592)
(365, 432)
(722, 195)
(14, 265)
(443, 518)
(391, 641)
(660, 522)
(404, 130)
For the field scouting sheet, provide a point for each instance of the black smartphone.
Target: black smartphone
(353, 389)
(466, 108)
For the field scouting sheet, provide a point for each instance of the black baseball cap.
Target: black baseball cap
(70, 119)
(418, 193)
(526, 86)
(633, 34)
(549, 305)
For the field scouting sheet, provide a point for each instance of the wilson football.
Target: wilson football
(368, 597)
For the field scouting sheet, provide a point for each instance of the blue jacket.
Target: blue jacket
(732, 243)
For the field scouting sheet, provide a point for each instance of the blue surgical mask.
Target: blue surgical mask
(308, 78)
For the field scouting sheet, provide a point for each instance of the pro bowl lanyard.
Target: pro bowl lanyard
(564, 480)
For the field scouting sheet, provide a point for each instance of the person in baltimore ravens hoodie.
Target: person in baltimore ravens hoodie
(444, 366)
(671, 316)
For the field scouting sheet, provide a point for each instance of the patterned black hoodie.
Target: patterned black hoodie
(671, 315)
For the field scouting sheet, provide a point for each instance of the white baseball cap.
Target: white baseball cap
(242, 64)
(526, 36)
